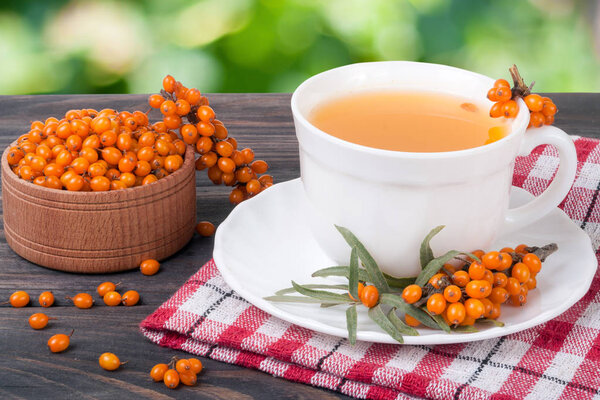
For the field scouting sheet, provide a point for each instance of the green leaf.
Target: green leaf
(439, 320)
(322, 294)
(434, 266)
(491, 321)
(327, 305)
(426, 254)
(379, 317)
(351, 323)
(353, 274)
(362, 276)
(415, 312)
(296, 299)
(311, 286)
(375, 275)
(400, 325)
(465, 329)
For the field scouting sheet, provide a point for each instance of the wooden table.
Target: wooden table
(28, 370)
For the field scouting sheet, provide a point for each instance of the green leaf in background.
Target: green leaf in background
(311, 286)
(351, 323)
(439, 320)
(298, 299)
(401, 325)
(379, 317)
(425, 253)
(465, 329)
(353, 274)
(434, 266)
(327, 305)
(400, 283)
(415, 312)
(322, 294)
(491, 321)
(375, 275)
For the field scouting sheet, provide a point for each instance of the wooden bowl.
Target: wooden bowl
(99, 232)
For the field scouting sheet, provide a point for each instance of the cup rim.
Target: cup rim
(522, 119)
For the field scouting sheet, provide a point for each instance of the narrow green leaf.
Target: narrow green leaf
(439, 320)
(415, 312)
(379, 317)
(296, 299)
(322, 294)
(426, 254)
(434, 266)
(465, 329)
(351, 323)
(311, 286)
(353, 274)
(327, 305)
(375, 275)
(491, 321)
(363, 276)
(400, 325)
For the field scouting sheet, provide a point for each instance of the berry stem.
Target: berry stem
(520, 89)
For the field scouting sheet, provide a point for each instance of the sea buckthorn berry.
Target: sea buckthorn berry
(478, 289)
(205, 228)
(548, 119)
(183, 366)
(456, 313)
(491, 260)
(360, 288)
(505, 261)
(112, 299)
(492, 94)
(157, 372)
(19, 299)
(224, 149)
(549, 109)
(182, 107)
(109, 361)
(169, 83)
(489, 306)
(533, 262)
(130, 298)
(46, 299)
(171, 378)
(501, 83)
(173, 163)
(461, 278)
(497, 110)
(220, 130)
(452, 293)
(410, 321)
(534, 102)
(503, 93)
(488, 276)
(412, 293)
(507, 250)
(435, 280)
(477, 253)
(531, 283)
(59, 343)
(498, 295)
(500, 279)
(188, 378)
(168, 107)
(520, 272)
(106, 287)
(205, 128)
(259, 166)
(100, 184)
(204, 145)
(369, 296)
(253, 187)
(436, 304)
(38, 320)
(172, 121)
(205, 113)
(468, 321)
(193, 96)
(474, 308)
(143, 168)
(155, 100)
(236, 196)
(82, 300)
(513, 286)
(496, 309)
(536, 119)
(476, 270)
(510, 109)
(149, 267)
(238, 159)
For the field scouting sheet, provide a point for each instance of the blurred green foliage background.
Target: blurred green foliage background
(127, 46)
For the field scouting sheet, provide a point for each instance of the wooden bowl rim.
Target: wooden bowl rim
(110, 195)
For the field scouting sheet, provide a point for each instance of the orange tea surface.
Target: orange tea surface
(408, 121)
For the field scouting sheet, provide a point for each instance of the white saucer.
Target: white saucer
(265, 243)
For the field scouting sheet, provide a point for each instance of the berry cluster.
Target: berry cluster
(542, 109)
(91, 150)
(178, 370)
(470, 290)
(218, 152)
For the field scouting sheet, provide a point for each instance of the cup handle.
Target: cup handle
(519, 217)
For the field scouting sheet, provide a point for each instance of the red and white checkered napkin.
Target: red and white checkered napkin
(556, 360)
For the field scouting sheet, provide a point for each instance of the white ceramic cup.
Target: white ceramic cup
(392, 199)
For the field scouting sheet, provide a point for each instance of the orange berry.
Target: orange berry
(369, 296)
(531, 283)
(520, 272)
(491, 260)
(112, 298)
(105, 287)
(501, 82)
(452, 293)
(109, 361)
(171, 378)
(510, 109)
(536, 119)
(205, 113)
(38, 321)
(360, 288)
(498, 295)
(82, 300)
(157, 372)
(496, 110)
(46, 299)
(495, 311)
(259, 166)
(434, 280)
(436, 304)
(188, 378)
(410, 321)
(474, 308)
(478, 289)
(513, 287)
(461, 278)
(149, 267)
(456, 313)
(500, 279)
(155, 100)
(476, 270)
(534, 102)
(100, 184)
(489, 306)
(59, 342)
(505, 261)
(533, 262)
(412, 293)
(205, 228)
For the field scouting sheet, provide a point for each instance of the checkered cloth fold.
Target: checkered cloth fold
(556, 360)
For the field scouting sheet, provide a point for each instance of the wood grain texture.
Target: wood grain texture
(28, 370)
(99, 232)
